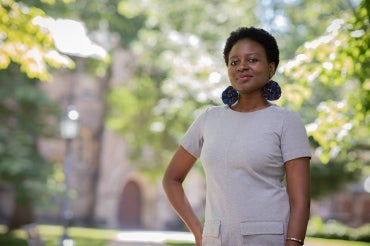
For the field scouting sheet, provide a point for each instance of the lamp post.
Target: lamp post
(69, 128)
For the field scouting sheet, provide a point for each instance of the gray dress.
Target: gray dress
(243, 156)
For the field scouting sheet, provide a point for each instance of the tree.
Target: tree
(23, 41)
(297, 21)
(26, 55)
(23, 108)
(333, 72)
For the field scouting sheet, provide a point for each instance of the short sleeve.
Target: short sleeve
(294, 141)
(192, 140)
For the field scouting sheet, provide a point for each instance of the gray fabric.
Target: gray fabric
(243, 155)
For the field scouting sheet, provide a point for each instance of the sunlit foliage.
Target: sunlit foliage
(333, 71)
(22, 41)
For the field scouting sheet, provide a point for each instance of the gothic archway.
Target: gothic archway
(130, 206)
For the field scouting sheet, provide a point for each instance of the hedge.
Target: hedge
(333, 229)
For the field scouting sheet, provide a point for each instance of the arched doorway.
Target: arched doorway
(130, 206)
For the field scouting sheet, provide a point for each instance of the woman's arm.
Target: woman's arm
(298, 186)
(174, 176)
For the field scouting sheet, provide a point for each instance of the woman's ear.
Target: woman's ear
(272, 69)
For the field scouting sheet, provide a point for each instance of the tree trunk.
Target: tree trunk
(22, 214)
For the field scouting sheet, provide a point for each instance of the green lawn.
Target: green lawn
(100, 237)
(51, 235)
(330, 242)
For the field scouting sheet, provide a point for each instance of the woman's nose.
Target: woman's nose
(243, 65)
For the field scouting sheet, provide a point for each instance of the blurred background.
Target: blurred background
(95, 95)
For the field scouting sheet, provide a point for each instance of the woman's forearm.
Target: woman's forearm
(298, 220)
(298, 186)
(177, 198)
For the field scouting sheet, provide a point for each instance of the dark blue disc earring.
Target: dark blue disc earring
(271, 91)
(230, 96)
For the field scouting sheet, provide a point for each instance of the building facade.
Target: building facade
(107, 190)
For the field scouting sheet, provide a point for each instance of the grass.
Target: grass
(51, 235)
(330, 242)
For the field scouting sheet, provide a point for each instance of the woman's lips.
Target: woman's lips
(244, 77)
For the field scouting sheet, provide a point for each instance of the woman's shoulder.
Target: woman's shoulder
(283, 113)
(287, 116)
(207, 112)
(214, 109)
(282, 110)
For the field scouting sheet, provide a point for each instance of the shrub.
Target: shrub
(333, 229)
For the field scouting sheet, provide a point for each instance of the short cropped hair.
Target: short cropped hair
(258, 35)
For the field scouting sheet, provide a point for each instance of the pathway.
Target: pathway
(150, 238)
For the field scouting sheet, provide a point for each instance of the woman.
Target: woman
(255, 155)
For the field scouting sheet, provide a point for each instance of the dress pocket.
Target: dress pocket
(211, 233)
(260, 233)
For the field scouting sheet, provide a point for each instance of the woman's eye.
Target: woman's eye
(252, 60)
(234, 63)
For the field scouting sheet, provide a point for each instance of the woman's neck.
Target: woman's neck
(249, 105)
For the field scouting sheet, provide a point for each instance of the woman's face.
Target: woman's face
(248, 68)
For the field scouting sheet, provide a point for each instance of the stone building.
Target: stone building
(107, 189)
